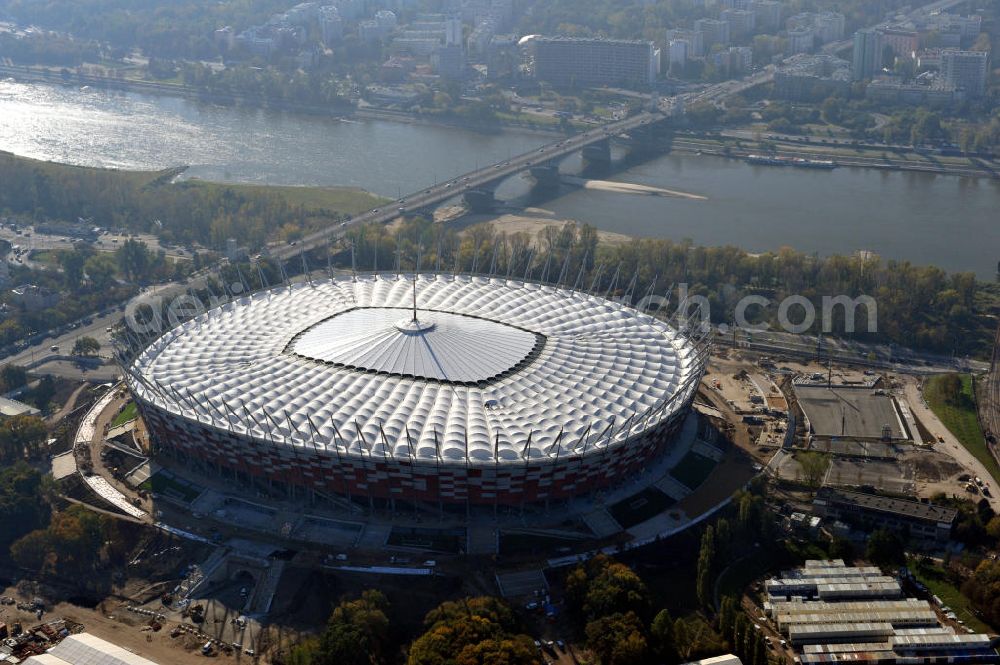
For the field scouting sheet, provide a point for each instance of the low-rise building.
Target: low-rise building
(926, 92)
(11, 408)
(90, 649)
(33, 298)
(393, 95)
(923, 521)
(832, 613)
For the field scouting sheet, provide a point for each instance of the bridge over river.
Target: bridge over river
(477, 186)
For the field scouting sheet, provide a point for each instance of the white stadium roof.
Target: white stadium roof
(488, 367)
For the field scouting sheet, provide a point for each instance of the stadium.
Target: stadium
(429, 387)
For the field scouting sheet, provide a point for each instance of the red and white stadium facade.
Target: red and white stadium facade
(427, 388)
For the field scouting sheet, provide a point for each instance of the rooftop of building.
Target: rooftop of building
(883, 504)
(88, 649)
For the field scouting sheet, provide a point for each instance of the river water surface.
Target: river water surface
(926, 219)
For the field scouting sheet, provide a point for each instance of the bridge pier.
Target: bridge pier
(546, 176)
(480, 199)
(598, 153)
(649, 138)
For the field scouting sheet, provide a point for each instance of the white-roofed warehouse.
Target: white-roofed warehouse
(87, 649)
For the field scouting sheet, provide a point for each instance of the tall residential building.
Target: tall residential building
(829, 26)
(801, 40)
(741, 22)
(386, 19)
(350, 10)
(331, 26)
(695, 41)
(867, 56)
(713, 31)
(903, 42)
(449, 61)
(736, 4)
(966, 70)
(453, 30)
(734, 60)
(767, 15)
(565, 61)
(678, 52)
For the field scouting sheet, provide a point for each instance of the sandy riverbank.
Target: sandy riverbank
(530, 220)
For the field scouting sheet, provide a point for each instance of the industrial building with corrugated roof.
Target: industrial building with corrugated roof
(87, 649)
(849, 626)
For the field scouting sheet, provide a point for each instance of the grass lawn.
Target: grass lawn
(130, 412)
(937, 583)
(46, 257)
(640, 507)
(960, 419)
(693, 470)
(350, 200)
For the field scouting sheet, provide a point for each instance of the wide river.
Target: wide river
(942, 220)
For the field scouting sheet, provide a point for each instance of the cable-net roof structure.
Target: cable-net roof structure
(464, 369)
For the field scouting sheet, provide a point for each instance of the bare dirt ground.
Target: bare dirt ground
(947, 444)
(110, 621)
(530, 221)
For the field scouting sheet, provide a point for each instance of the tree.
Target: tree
(885, 548)
(20, 436)
(72, 263)
(695, 639)
(100, 269)
(983, 589)
(472, 631)
(617, 639)
(832, 110)
(12, 376)
(760, 649)
(70, 547)
(134, 259)
(661, 637)
(728, 610)
(602, 586)
(814, 466)
(706, 567)
(86, 346)
(841, 548)
(41, 395)
(356, 633)
(22, 503)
